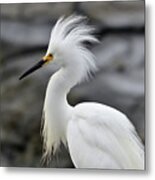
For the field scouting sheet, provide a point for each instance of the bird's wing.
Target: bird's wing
(102, 137)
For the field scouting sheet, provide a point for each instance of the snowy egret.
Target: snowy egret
(97, 136)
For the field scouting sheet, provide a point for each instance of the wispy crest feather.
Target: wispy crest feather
(72, 32)
(72, 29)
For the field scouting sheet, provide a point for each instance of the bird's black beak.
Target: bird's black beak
(34, 68)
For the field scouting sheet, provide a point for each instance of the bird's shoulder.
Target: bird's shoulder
(96, 113)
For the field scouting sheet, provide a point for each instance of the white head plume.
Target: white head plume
(66, 44)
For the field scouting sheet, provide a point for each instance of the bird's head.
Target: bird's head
(66, 45)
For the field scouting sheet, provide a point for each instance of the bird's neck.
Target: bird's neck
(56, 108)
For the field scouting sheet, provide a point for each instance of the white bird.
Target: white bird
(97, 136)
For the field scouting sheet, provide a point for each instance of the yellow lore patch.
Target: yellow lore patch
(48, 58)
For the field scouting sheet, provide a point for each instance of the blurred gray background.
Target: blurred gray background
(25, 30)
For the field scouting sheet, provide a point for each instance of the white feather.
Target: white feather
(98, 136)
(106, 139)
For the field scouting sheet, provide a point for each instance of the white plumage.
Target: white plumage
(97, 136)
(102, 137)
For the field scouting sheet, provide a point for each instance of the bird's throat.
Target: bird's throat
(57, 111)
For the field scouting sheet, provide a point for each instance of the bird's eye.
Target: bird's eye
(50, 55)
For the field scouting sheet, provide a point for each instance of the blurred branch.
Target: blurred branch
(103, 31)
(23, 51)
